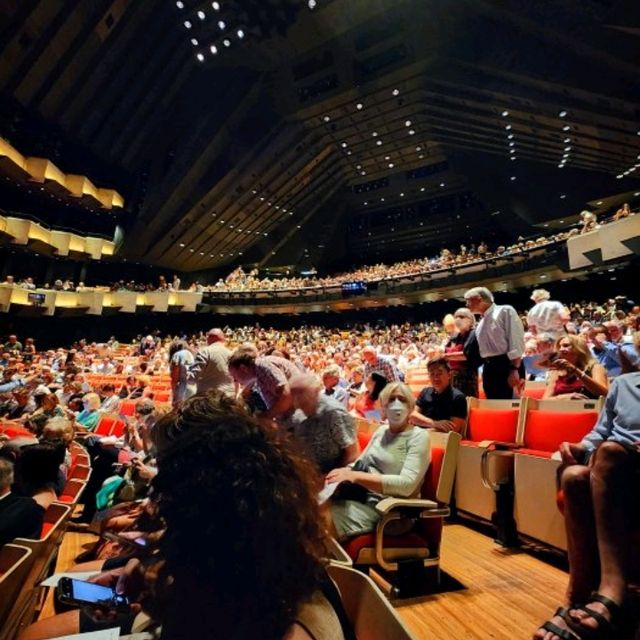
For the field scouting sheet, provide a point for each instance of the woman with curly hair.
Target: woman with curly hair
(243, 543)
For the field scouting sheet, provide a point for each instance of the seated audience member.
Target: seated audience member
(623, 212)
(50, 408)
(21, 404)
(330, 380)
(357, 381)
(589, 221)
(574, 373)
(37, 471)
(322, 426)
(367, 403)
(599, 476)
(607, 345)
(60, 430)
(110, 400)
(270, 376)
(20, 516)
(393, 464)
(463, 354)
(440, 406)
(381, 364)
(90, 414)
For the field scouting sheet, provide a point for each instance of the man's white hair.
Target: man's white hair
(539, 295)
(479, 292)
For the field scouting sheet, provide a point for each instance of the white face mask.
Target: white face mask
(397, 413)
(461, 323)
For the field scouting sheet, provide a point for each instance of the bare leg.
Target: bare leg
(581, 541)
(610, 486)
(64, 624)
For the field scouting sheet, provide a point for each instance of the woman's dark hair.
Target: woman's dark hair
(379, 383)
(177, 345)
(243, 538)
(38, 467)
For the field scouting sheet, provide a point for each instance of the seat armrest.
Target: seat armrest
(496, 445)
(387, 505)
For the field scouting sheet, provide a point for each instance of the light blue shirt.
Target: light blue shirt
(10, 386)
(619, 421)
(609, 357)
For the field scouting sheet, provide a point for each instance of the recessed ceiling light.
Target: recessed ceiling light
(512, 144)
(379, 142)
(510, 136)
(200, 57)
(566, 128)
(396, 92)
(312, 4)
(636, 194)
(512, 178)
(221, 25)
(213, 49)
(412, 132)
(365, 203)
(349, 152)
(546, 224)
(381, 199)
(505, 114)
(512, 150)
(566, 140)
(567, 148)
(192, 250)
(194, 42)
(226, 43)
(344, 145)
(561, 221)
(201, 15)
(326, 118)
(359, 106)
(375, 134)
(508, 127)
(215, 6)
(358, 166)
(512, 158)
(363, 173)
(402, 195)
(562, 114)
(442, 184)
(240, 34)
(391, 165)
(182, 244)
(561, 166)
(187, 24)
(387, 157)
(422, 189)
(418, 148)
(407, 123)
(180, 4)
(421, 156)
(563, 196)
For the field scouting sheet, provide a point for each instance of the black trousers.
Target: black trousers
(494, 378)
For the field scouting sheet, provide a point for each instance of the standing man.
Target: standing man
(381, 364)
(546, 315)
(500, 336)
(210, 371)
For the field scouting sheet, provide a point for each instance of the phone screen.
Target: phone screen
(95, 593)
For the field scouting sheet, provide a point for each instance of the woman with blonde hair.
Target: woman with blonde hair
(575, 374)
(89, 416)
(393, 464)
(463, 354)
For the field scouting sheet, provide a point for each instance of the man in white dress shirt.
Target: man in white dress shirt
(500, 336)
(546, 315)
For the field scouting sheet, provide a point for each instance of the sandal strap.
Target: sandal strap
(563, 634)
(614, 607)
(603, 623)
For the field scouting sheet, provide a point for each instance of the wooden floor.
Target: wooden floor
(507, 596)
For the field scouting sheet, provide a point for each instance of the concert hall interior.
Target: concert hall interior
(319, 319)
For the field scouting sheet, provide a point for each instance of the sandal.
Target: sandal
(606, 628)
(563, 634)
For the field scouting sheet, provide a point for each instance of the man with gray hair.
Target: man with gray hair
(500, 336)
(332, 388)
(322, 427)
(546, 315)
(20, 516)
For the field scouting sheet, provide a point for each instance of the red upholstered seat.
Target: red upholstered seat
(162, 396)
(363, 439)
(46, 527)
(67, 499)
(118, 428)
(104, 426)
(128, 407)
(492, 424)
(368, 540)
(545, 430)
(533, 392)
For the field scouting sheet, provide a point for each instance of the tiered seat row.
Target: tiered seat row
(26, 562)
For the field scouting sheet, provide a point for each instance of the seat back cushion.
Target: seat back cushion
(492, 424)
(545, 430)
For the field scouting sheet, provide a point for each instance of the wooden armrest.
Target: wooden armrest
(496, 445)
(389, 504)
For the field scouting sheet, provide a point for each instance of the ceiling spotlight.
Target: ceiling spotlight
(221, 25)
(505, 114)
(215, 6)
(512, 144)
(194, 42)
(508, 127)
(180, 4)
(200, 57)
(407, 123)
(562, 114)
(379, 142)
(192, 250)
(412, 132)
(326, 118)
(363, 173)
(421, 156)
(182, 244)
(381, 199)
(567, 148)
(396, 92)
(226, 42)
(561, 166)
(563, 196)
(441, 185)
(344, 145)
(418, 148)
(358, 166)
(213, 49)
(512, 150)
(312, 4)
(510, 136)
(201, 15)
(359, 106)
(566, 128)
(512, 158)
(374, 134)
(240, 34)
(512, 178)
(391, 165)
(349, 152)
(402, 195)
(567, 140)
(187, 24)
(600, 201)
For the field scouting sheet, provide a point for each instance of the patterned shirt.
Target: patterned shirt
(272, 373)
(385, 366)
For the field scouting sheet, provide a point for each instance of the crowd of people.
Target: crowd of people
(192, 474)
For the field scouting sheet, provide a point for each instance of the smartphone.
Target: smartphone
(137, 543)
(80, 593)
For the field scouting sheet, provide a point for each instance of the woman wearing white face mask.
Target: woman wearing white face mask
(393, 465)
(463, 355)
